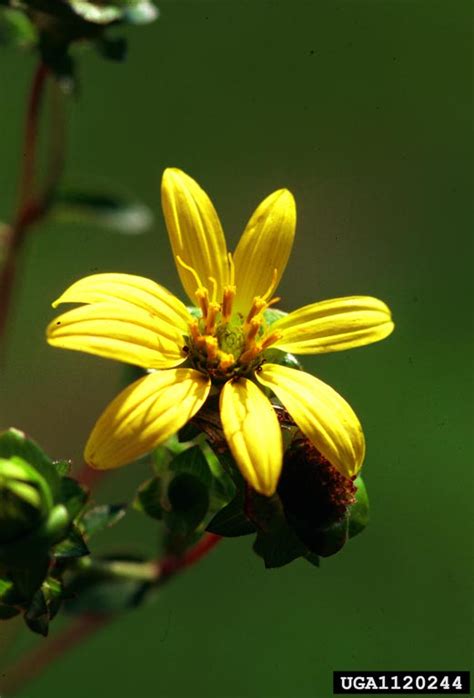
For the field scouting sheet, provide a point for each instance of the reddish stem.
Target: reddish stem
(29, 209)
(172, 564)
(34, 663)
(89, 477)
(30, 145)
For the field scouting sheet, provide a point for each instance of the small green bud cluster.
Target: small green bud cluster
(25, 499)
(38, 505)
(52, 27)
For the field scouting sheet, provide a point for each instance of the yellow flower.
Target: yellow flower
(222, 344)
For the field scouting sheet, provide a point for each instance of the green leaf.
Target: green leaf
(223, 488)
(63, 467)
(53, 593)
(193, 462)
(266, 512)
(101, 517)
(7, 612)
(271, 315)
(24, 500)
(55, 528)
(279, 546)
(28, 578)
(71, 547)
(199, 489)
(330, 539)
(277, 543)
(162, 457)
(148, 499)
(276, 356)
(359, 512)
(313, 559)
(6, 590)
(189, 499)
(113, 49)
(15, 443)
(114, 211)
(231, 521)
(73, 496)
(201, 462)
(37, 614)
(16, 29)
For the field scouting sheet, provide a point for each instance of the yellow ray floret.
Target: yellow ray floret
(323, 416)
(119, 331)
(252, 431)
(127, 288)
(144, 415)
(264, 248)
(195, 232)
(333, 325)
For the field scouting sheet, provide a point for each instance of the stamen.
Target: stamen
(277, 299)
(227, 302)
(211, 348)
(257, 305)
(214, 288)
(192, 271)
(202, 297)
(194, 328)
(211, 317)
(255, 325)
(272, 286)
(226, 361)
(270, 339)
(201, 293)
(249, 355)
(231, 269)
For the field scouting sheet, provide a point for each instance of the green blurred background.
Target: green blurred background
(363, 110)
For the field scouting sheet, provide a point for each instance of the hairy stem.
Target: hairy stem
(41, 657)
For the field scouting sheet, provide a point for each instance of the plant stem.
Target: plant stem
(31, 207)
(32, 664)
(35, 662)
(173, 564)
(27, 179)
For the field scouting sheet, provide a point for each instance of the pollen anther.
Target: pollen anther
(227, 303)
(212, 311)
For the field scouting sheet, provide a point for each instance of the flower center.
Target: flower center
(223, 343)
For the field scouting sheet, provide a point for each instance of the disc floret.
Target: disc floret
(222, 343)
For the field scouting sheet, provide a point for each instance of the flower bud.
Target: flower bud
(25, 500)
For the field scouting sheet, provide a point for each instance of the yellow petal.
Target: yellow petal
(119, 331)
(323, 416)
(333, 325)
(253, 434)
(137, 290)
(263, 250)
(195, 232)
(144, 415)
